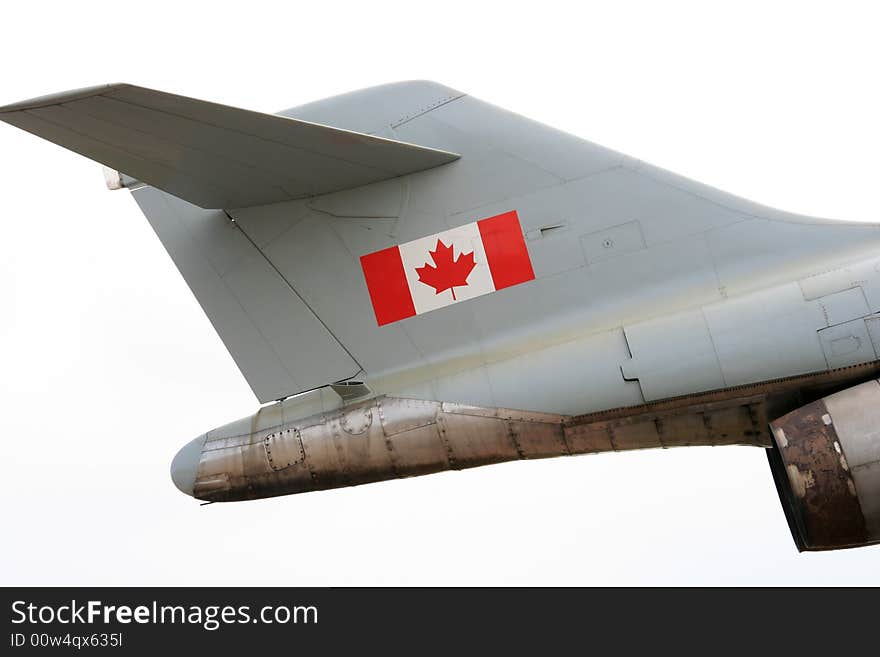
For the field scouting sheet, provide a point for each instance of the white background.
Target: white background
(109, 365)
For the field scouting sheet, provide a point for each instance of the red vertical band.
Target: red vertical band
(386, 282)
(506, 250)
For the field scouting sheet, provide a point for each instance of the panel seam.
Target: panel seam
(300, 297)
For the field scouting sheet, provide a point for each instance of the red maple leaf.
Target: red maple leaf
(448, 273)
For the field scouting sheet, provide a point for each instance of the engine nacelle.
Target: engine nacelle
(826, 464)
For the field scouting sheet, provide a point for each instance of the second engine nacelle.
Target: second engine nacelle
(827, 469)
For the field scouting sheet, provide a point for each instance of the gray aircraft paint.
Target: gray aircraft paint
(213, 155)
(648, 285)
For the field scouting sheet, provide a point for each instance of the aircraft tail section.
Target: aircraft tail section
(532, 257)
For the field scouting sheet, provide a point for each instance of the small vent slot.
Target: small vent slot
(553, 228)
(547, 231)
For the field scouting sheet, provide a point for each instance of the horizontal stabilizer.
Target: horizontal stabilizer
(211, 155)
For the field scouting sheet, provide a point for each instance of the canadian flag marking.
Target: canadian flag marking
(448, 267)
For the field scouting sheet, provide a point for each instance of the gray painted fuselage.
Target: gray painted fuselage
(648, 285)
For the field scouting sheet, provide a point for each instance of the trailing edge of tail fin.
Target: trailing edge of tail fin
(211, 155)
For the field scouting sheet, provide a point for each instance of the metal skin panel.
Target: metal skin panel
(840, 307)
(470, 443)
(591, 438)
(284, 448)
(379, 201)
(867, 480)
(529, 141)
(855, 413)
(361, 448)
(590, 367)
(406, 415)
(612, 242)
(734, 421)
(737, 341)
(857, 422)
(418, 451)
(537, 440)
(376, 109)
(763, 253)
(322, 457)
(847, 344)
(765, 335)
(670, 351)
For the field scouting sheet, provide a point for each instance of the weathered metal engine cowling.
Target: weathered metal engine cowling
(390, 438)
(826, 463)
(384, 438)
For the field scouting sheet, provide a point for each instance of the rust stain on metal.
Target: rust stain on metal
(390, 438)
(827, 512)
